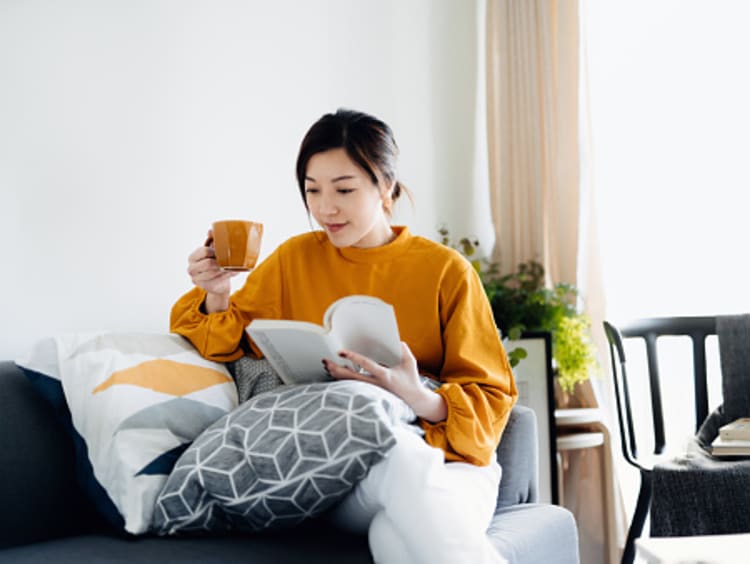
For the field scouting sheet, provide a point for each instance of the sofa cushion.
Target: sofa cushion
(281, 457)
(319, 546)
(132, 403)
(535, 533)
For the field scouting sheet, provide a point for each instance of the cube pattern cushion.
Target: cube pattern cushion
(281, 457)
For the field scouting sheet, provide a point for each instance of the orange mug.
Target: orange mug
(236, 243)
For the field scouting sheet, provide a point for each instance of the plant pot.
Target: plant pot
(564, 399)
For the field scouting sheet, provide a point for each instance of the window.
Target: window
(669, 108)
(669, 102)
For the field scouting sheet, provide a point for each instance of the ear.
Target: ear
(386, 197)
(386, 191)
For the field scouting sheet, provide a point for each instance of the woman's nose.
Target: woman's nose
(328, 205)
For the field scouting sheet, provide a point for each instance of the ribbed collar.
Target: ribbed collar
(386, 252)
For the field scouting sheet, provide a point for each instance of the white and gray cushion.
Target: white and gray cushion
(281, 457)
(131, 403)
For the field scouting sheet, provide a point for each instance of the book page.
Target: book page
(294, 349)
(366, 325)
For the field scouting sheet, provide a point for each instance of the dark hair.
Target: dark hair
(368, 141)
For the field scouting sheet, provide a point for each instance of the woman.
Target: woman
(432, 498)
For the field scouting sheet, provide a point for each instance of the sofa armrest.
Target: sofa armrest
(40, 495)
(518, 456)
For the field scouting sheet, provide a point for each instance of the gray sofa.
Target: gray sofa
(45, 517)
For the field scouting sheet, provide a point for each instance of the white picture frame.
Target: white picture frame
(534, 380)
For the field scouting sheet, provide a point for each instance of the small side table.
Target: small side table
(583, 428)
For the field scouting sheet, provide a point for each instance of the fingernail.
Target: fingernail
(342, 354)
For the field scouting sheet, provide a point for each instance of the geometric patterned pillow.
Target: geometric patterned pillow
(132, 402)
(280, 457)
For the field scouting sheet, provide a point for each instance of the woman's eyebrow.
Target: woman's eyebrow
(337, 179)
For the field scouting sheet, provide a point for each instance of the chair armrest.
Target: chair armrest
(518, 456)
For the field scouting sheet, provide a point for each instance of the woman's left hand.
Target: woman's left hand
(402, 380)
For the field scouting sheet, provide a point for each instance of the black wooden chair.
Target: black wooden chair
(697, 328)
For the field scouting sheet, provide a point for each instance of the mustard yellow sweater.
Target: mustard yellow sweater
(442, 313)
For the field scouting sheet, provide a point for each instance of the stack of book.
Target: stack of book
(733, 439)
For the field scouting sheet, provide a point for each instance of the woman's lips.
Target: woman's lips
(335, 227)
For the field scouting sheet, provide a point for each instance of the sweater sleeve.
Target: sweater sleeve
(476, 379)
(219, 336)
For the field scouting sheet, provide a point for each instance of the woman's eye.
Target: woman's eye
(345, 190)
(311, 190)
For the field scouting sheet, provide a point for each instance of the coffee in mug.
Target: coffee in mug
(236, 243)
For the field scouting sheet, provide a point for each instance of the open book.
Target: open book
(363, 324)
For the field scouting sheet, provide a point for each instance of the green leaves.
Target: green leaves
(514, 333)
(573, 350)
(517, 355)
(523, 301)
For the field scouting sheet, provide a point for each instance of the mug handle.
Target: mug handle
(209, 240)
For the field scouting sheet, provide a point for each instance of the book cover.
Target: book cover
(363, 324)
(737, 429)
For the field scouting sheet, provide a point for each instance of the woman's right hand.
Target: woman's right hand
(206, 274)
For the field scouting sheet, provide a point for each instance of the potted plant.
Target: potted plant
(521, 302)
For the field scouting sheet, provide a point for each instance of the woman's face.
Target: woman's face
(344, 202)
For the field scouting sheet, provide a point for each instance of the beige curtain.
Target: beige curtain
(541, 205)
(532, 96)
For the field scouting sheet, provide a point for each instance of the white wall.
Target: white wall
(127, 126)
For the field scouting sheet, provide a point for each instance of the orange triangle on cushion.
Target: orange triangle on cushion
(166, 376)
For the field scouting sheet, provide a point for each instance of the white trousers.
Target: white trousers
(416, 508)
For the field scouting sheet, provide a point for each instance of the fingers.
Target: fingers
(367, 364)
(364, 374)
(402, 379)
(210, 276)
(199, 254)
(202, 260)
(406, 352)
(374, 369)
(204, 271)
(339, 372)
(204, 251)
